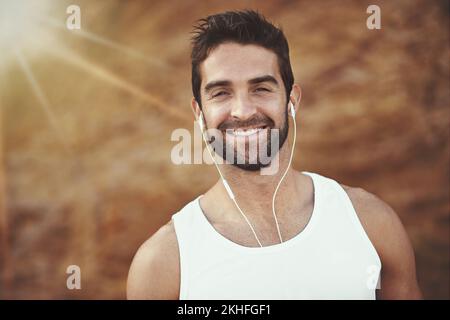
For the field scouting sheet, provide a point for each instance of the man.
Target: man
(322, 240)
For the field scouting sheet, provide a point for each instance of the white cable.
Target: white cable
(285, 172)
(228, 188)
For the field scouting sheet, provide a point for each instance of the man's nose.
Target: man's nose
(243, 108)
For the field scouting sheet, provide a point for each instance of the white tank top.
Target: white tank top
(331, 258)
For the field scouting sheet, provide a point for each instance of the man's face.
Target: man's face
(244, 97)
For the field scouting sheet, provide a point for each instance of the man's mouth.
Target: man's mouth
(245, 132)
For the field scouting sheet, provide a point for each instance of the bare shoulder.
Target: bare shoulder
(154, 272)
(389, 237)
(369, 207)
(376, 216)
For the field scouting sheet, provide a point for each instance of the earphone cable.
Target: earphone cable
(230, 192)
(284, 175)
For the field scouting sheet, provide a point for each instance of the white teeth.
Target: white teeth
(244, 133)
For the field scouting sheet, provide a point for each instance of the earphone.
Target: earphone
(201, 123)
(292, 109)
(287, 168)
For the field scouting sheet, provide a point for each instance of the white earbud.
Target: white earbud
(291, 105)
(201, 121)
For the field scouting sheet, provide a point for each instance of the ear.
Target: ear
(195, 108)
(296, 96)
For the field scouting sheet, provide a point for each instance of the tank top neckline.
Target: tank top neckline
(303, 233)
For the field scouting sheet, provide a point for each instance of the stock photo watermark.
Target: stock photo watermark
(374, 278)
(253, 148)
(374, 20)
(73, 281)
(73, 21)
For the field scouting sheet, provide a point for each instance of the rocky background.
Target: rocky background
(86, 117)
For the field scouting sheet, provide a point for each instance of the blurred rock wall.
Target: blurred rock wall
(86, 175)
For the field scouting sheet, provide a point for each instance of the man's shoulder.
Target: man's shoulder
(388, 235)
(161, 240)
(370, 201)
(381, 223)
(154, 272)
(368, 206)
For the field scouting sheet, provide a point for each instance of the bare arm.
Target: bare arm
(154, 272)
(385, 230)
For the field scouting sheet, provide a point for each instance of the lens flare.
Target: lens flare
(19, 23)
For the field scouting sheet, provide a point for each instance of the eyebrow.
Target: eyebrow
(214, 84)
(266, 78)
(223, 83)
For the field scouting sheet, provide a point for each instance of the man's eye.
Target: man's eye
(220, 93)
(262, 89)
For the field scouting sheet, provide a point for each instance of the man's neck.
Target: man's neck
(254, 191)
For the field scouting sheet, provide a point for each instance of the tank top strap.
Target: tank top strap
(184, 222)
(340, 211)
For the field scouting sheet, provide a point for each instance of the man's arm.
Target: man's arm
(154, 272)
(385, 230)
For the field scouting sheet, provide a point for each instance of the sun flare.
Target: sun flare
(20, 22)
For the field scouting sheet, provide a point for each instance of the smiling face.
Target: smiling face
(243, 95)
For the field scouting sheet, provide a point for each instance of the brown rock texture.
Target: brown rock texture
(85, 168)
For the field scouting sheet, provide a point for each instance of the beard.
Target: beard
(233, 155)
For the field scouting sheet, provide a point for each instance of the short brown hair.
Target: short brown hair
(243, 27)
